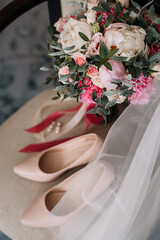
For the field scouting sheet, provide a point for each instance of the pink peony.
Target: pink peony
(144, 88)
(106, 76)
(79, 58)
(86, 97)
(93, 48)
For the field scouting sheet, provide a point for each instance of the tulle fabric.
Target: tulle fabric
(129, 208)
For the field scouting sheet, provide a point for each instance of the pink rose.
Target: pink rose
(79, 58)
(107, 77)
(64, 71)
(92, 71)
(94, 75)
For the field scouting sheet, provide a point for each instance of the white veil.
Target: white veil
(129, 209)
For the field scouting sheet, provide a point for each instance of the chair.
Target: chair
(16, 194)
(16, 8)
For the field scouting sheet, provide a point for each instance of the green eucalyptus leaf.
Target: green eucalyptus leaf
(108, 20)
(155, 57)
(97, 8)
(50, 30)
(100, 18)
(69, 48)
(105, 7)
(64, 77)
(132, 71)
(109, 93)
(117, 10)
(151, 12)
(118, 59)
(94, 95)
(45, 69)
(108, 66)
(137, 64)
(54, 54)
(83, 47)
(136, 5)
(48, 80)
(60, 87)
(111, 103)
(82, 68)
(56, 98)
(52, 42)
(93, 111)
(83, 36)
(110, 54)
(55, 47)
(157, 21)
(103, 51)
(142, 22)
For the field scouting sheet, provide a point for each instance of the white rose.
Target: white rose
(125, 3)
(120, 99)
(96, 81)
(156, 68)
(129, 41)
(92, 3)
(91, 16)
(70, 35)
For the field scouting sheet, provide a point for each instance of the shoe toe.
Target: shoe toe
(25, 169)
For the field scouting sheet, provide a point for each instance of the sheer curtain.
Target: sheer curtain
(129, 208)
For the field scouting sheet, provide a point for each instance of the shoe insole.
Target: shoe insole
(61, 157)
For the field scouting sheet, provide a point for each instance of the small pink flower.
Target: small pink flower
(107, 77)
(106, 14)
(144, 88)
(65, 71)
(92, 71)
(79, 58)
(86, 97)
(154, 49)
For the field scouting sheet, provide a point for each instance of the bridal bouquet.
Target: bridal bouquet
(106, 52)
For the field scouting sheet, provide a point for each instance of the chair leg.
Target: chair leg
(54, 7)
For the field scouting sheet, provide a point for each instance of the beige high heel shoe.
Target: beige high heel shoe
(39, 214)
(48, 165)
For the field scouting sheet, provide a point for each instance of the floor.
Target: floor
(20, 60)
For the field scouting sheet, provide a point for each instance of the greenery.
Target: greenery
(141, 63)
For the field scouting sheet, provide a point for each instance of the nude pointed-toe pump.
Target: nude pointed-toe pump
(48, 165)
(41, 213)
